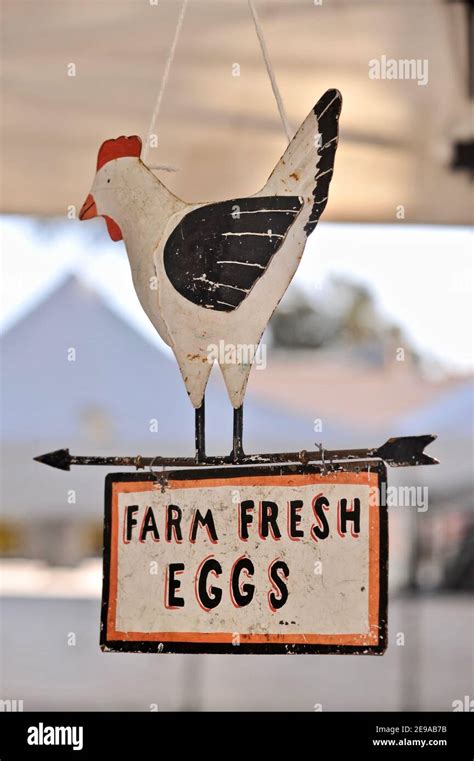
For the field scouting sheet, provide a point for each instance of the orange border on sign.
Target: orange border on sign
(367, 638)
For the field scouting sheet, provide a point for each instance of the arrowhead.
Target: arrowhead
(60, 458)
(407, 450)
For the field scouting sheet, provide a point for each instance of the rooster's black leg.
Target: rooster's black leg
(237, 448)
(200, 432)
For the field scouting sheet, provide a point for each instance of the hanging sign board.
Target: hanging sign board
(259, 559)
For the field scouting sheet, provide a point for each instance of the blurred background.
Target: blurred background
(373, 338)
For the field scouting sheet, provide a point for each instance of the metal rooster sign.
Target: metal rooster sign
(207, 275)
(214, 272)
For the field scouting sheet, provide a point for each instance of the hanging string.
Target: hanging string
(164, 82)
(271, 74)
(166, 73)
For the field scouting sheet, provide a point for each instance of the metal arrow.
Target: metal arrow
(398, 452)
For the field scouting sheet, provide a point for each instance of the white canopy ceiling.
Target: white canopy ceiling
(221, 131)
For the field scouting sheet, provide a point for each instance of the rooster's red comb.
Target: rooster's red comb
(117, 149)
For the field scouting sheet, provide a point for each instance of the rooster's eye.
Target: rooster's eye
(108, 180)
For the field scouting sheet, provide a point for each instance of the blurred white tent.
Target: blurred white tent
(75, 374)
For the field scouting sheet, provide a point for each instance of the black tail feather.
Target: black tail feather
(327, 111)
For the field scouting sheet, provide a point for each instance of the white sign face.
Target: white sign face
(246, 560)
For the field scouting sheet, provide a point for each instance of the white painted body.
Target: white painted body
(146, 212)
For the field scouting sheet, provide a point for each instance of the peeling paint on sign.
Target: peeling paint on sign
(283, 559)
